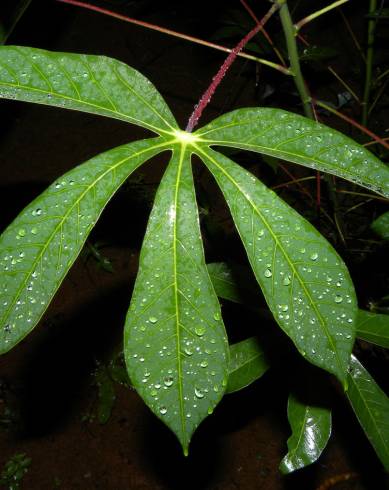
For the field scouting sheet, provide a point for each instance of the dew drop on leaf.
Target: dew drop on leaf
(268, 273)
(338, 298)
(153, 319)
(314, 256)
(199, 330)
(199, 393)
(168, 381)
(162, 410)
(286, 281)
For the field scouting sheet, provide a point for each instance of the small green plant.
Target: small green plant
(175, 345)
(14, 471)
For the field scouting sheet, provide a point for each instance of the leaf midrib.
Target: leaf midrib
(182, 149)
(279, 245)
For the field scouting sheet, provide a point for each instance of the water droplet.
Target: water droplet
(284, 307)
(268, 273)
(162, 410)
(199, 330)
(22, 232)
(199, 392)
(153, 319)
(37, 212)
(34, 231)
(168, 381)
(204, 364)
(338, 298)
(286, 281)
(188, 351)
(314, 256)
(216, 316)
(7, 328)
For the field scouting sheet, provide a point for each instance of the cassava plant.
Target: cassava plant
(175, 345)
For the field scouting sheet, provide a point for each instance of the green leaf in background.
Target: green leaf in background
(297, 139)
(305, 283)
(10, 17)
(311, 429)
(40, 245)
(87, 83)
(371, 406)
(175, 344)
(381, 226)
(373, 327)
(247, 364)
(233, 283)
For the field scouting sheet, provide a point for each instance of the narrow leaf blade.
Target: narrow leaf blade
(175, 345)
(247, 364)
(40, 245)
(371, 406)
(88, 83)
(305, 283)
(373, 327)
(297, 139)
(311, 429)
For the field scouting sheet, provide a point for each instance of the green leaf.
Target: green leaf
(371, 406)
(297, 139)
(176, 347)
(311, 429)
(233, 283)
(247, 364)
(88, 83)
(305, 283)
(381, 226)
(39, 246)
(373, 327)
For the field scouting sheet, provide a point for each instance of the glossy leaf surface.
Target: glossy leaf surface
(373, 327)
(297, 139)
(176, 348)
(371, 406)
(304, 281)
(247, 364)
(311, 429)
(88, 83)
(40, 245)
(381, 226)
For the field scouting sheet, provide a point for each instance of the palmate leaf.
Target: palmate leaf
(373, 327)
(297, 139)
(87, 83)
(247, 364)
(371, 406)
(175, 346)
(305, 283)
(311, 429)
(40, 245)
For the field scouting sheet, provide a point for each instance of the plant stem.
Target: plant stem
(317, 14)
(172, 33)
(369, 61)
(290, 33)
(206, 97)
(264, 32)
